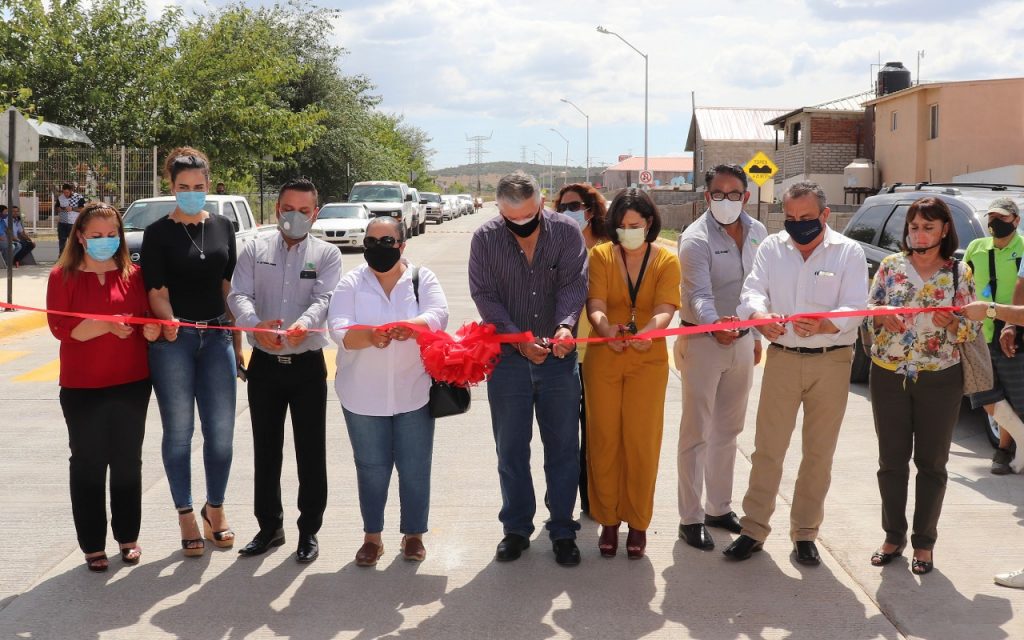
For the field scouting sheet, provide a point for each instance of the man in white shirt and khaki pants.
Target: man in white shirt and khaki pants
(808, 268)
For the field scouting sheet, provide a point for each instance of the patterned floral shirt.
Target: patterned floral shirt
(923, 346)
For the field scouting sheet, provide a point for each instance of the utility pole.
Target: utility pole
(523, 157)
(478, 152)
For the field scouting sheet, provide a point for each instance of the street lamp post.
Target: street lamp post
(574, 106)
(565, 181)
(551, 169)
(644, 55)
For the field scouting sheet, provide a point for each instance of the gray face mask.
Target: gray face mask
(294, 224)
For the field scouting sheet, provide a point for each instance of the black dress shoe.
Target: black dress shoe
(742, 547)
(807, 553)
(729, 522)
(511, 547)
(696, 535)
(262, 542)
(567, 553)
(309, 548)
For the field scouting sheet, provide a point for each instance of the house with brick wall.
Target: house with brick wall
(816, 143)
(728, 135)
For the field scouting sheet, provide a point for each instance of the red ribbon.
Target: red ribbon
(470, 356)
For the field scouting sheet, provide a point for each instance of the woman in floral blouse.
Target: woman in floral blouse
(916, 376)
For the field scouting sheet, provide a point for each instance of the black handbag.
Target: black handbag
(445, 399)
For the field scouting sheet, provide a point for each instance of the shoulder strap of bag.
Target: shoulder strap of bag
(416, 283)
(956, 277)
(993, 282)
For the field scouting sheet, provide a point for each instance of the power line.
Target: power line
(477, 153)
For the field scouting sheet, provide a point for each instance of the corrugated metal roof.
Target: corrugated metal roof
(849, 103)
(59, 131)
(677, 164)
(729, 123)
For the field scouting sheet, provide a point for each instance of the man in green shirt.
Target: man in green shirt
(996, 261)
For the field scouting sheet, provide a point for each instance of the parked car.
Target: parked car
(455, 205)
(421, 213)
(447, 209)
(142, 213)
(467, 203)
(878, 227)
(434, 209)
(342, 223)
(387, 198)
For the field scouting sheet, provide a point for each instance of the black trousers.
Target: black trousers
(914, 419)
(276, 387)
(105, 429)
(63, 231)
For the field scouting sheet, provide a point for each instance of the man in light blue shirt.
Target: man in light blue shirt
(284, 281)
(716, 254)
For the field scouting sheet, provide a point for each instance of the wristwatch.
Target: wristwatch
(991, 311)
(564, 326)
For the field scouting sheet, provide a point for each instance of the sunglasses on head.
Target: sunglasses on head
(571, 206)
(372, 243)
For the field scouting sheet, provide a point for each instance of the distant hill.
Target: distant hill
(503, 168)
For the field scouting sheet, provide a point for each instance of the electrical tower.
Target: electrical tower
(523, 160)
(478, 152)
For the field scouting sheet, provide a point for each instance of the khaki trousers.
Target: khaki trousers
(716, 386)
(821, 383)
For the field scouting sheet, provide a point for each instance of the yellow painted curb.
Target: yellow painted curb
(22, 322)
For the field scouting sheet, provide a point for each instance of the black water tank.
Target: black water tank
(892, 77)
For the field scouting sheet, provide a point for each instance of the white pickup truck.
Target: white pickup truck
(145, 212)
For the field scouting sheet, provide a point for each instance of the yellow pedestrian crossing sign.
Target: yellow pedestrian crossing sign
(760, 168)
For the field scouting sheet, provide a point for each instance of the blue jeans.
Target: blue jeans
(517, 389)
(381, 443)
(196, 369)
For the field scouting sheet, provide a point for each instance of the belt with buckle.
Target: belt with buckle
(684, 323)
(806, 350)
(215, 323)
(291, 358)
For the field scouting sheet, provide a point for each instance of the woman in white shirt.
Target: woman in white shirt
(383, 386)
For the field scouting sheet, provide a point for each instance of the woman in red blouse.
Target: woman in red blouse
(104, 380)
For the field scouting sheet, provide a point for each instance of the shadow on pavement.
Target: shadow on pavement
(717, 599)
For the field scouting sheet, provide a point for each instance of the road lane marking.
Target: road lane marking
(7, 356)
(49, 372)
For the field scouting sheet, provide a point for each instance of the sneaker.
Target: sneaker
(1001, 462)
(1013, 579)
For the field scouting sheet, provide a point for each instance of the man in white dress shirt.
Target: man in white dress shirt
(808, 268)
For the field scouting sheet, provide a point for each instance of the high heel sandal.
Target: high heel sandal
(636, 542)
(608, 543)
(921, 567)
(97, 564)
(190, 547)
(225, 538)
(132, 554)
(879, 558)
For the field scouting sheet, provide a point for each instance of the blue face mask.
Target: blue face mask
(580, 217)
(101, 249)
(803, 231)
(191, 203)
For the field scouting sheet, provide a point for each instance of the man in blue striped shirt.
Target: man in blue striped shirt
(528, 272)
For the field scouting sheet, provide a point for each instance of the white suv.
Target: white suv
(387, 198)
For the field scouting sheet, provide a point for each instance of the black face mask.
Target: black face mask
(803, 231)
(382, 259)
(523, 230)
(1000, 228)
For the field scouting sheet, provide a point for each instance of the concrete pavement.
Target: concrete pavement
(459, 591)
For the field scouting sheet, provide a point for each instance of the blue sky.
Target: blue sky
(473, 67)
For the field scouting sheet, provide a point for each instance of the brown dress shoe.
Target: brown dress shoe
(369, 554)
(413, 549)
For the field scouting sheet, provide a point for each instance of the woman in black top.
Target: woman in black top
(187, 261)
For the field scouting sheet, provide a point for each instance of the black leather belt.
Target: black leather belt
(216, 323)
(809, 349)
(742, 333)
(291, 358)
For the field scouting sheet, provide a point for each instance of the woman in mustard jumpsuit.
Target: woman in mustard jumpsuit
(634, 288)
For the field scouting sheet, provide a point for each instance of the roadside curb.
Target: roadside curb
(18, 322)
(666, 242)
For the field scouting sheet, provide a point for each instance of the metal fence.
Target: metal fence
(118, 175)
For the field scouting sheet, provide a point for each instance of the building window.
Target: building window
(933, 121)
(700, 162)
(794, 134)
(894, 121)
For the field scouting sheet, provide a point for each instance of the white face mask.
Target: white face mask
(632, 238)
(726, 211)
